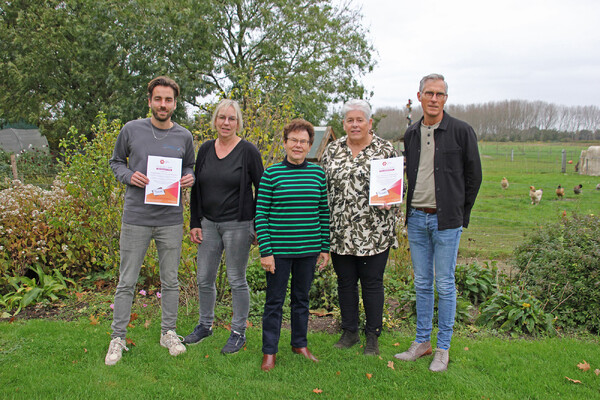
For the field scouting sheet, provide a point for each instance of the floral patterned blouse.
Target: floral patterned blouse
(357, 228)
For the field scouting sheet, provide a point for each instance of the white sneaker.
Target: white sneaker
(115, 351)
(172, 341)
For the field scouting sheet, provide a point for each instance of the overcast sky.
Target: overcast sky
(545, 50)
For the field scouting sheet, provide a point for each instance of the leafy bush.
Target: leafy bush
(560, 265)
(73, 226)
(324, 290)
(476, 282)
(25, 291)
(515, 312)
(255, 275)
(257, 305)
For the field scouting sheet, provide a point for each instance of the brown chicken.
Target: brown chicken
(504, 183)
(560, 192)
(577, 189)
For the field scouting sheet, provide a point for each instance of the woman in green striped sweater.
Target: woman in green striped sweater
(292, 223)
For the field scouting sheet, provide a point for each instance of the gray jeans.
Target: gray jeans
(135, 240)
(235, 237)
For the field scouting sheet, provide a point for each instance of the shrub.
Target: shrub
(560, 265)
(515, 312)
(73, 227)
(25, 291)
(26, 236)
(324, 290)
(255, 275)
(476, 282)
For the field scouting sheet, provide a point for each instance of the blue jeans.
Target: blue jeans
(135, 240)
(235, 237)
(302, 270)
(433, 254)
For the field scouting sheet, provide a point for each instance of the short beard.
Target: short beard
(155, 115)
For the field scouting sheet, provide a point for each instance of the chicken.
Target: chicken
(504, 183)
(536, 195)
(560, 192)
(577, 189)
(598, 186)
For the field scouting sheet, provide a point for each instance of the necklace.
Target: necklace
(154, 133)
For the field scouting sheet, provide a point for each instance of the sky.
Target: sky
(487, 50)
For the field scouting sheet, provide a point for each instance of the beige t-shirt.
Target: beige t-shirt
(424, 194)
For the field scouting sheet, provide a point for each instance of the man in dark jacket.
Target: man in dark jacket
(444, 174)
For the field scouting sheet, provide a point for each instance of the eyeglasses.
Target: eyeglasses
(429, 95)
(302, 142)
(222, 118)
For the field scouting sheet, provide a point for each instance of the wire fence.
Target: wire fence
(32, 167)
(532, 158)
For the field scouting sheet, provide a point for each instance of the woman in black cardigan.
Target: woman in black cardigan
(222, 219)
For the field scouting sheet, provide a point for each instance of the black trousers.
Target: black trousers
(369, 270)
(302, 270)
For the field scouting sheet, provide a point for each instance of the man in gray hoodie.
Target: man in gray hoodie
(155, 136)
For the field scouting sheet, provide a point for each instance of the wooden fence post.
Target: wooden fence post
(13, 164)
(563, 167)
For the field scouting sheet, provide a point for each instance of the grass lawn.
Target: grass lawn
(57, 359)
(44, 358)
(501, 218)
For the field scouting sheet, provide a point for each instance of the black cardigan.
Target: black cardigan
(457, 169)
(252, 170)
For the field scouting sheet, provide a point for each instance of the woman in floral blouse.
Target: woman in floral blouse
(361, 235)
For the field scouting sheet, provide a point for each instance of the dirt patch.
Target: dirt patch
(56, 311)
(320, 323)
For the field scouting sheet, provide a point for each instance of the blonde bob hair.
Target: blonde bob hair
(223, 105)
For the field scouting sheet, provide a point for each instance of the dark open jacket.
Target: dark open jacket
(457, 169)
(252, 170)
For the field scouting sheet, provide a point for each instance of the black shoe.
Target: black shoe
(372, 345)
(234, 344)
(347, 340)
(200, 333)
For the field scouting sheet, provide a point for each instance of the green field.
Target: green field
(501, 218)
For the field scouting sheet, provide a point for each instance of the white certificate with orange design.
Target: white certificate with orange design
(386, 181)
(164, 174)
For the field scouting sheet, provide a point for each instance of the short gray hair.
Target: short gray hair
(432, 77)
(357, 104)
(226, 103)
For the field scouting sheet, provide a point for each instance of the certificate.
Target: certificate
(387, 176)
(164, 174)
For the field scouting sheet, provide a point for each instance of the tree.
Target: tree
(63, 61)
(309, 50)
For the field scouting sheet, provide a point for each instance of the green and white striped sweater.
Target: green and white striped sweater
(292, 214)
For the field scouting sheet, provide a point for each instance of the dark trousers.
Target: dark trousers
(369, 270)
(302, 270)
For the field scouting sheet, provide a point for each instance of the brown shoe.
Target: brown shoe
(305, 352)
(268, 362)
